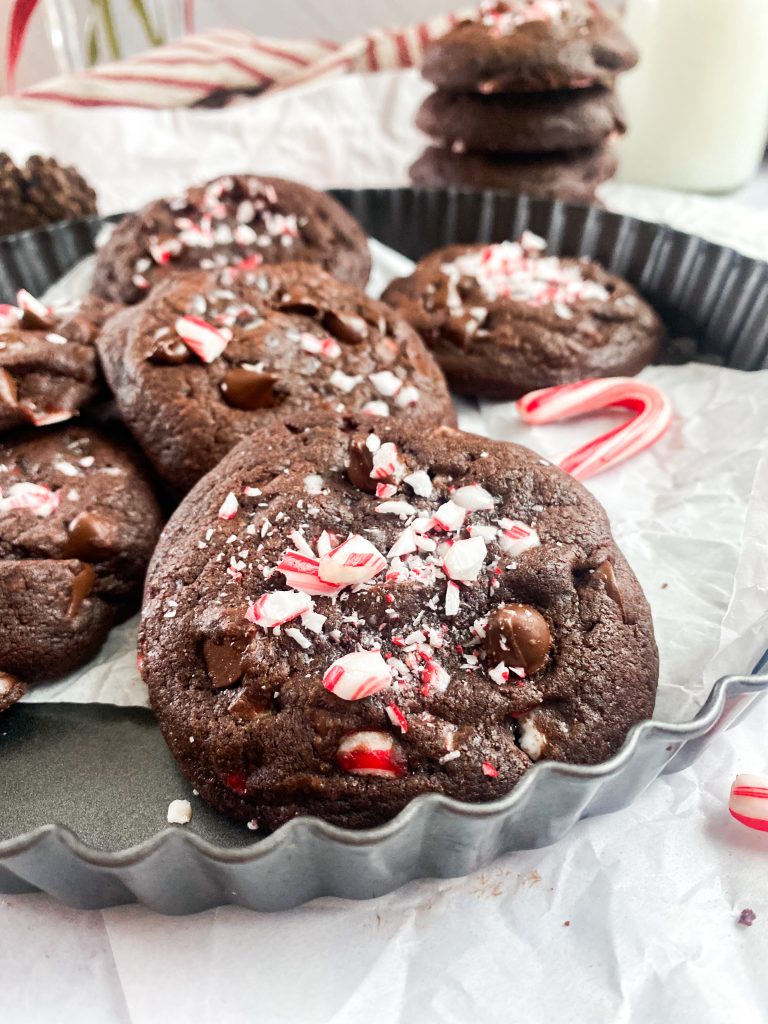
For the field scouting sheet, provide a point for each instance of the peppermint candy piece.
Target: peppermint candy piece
(354, 561)
(163, 252)
(29, 304)
(301, 573)
(407, 396)
(387, 464)
(452, 599)
(420, 483)
(278, 607)
(396, 717)
(450, 517)
(377, 407)
(357, 675)
(404, 545)
(385, 382)
(517, 537)
(748, 802)
(202, 338)
(474, 498)
(229, 507)
(35, 498)
(371, 753)
(315, 346)
(38, 418)
(464, 559)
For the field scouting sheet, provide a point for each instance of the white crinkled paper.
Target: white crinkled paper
(679, 513)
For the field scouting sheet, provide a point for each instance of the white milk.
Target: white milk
(697, 104)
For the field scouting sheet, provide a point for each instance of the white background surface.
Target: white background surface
(652, 893)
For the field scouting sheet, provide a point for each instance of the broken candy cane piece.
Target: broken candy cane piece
(354, 561)
(474, 498)
(387, 464)
(652, 409)
(29, 304)
(277, 607)
(357, 675)
(516, 537)
(229, 507)
(35, 498)
(371, 753)
(464, 559)
(315, 346)
(9, 316)
(749, 801)
(301, 573)
(206, 341)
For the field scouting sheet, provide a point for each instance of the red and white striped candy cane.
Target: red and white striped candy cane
(652, 415)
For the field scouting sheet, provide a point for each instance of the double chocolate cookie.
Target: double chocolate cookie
(530, 46)
(522, 123)
(240, 220)
(211, 356)
(40, 192)
(506, 319)
(49, 369)
(339, 619)
(78, 523)
(572, 176)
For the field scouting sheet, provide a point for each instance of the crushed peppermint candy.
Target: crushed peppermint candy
(206, 341)
(35, 498)
(229, 507)
(357, 675)
(278, 607)
(518, 271)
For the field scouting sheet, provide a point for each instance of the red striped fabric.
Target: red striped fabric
(233, 60)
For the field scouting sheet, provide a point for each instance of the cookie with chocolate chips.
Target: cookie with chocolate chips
(49, 369)
(338, 619)
(211, 356)
(78, 523)
(506, 319)
(530, 46)
(240, 220)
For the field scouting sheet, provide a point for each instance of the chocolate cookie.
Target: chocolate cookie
(49, 369)
(530, 46)
(506, 319)
(237, 220)
(570, 176)
(78, 523)
(311, 647)
(528, 123)
(212, 355)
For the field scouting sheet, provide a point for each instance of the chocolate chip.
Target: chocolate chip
(32, 322)
(92, 538)
(519, 636)
(8, 392)
(346, 327)
(249, 389)
(82, 585)
(169, 351)
(360, 466)
(11, 690)
(248, 707)
(605, 573)
(224, 661)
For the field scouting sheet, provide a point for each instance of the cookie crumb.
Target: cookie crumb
(179, 812)
(747, 917)
(566, 924)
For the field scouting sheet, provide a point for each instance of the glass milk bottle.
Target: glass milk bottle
(697, 104)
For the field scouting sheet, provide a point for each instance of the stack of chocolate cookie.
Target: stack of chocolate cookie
(525, 100)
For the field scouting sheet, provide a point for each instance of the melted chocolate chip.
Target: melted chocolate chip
(11, 690)
(519, 636)
(360, 466)
(249, 389)
(249, 706)
(169, 351)
(346, 327)
(32, 322)
(224, 661)
(92, 538)
(8, 392)
(605, 573)
(82, 585)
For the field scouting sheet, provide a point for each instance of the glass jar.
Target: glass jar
(697, 103)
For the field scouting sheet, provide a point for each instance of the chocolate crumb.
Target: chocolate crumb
(566, 924)
(747, 917)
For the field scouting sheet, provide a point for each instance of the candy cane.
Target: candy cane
(749, 801)
(652, 409)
